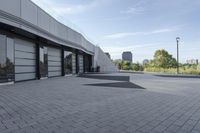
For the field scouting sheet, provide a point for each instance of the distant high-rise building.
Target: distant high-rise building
(192, 61)
(108, 54)
(127, 56)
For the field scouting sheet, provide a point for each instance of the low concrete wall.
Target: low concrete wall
(102, 60)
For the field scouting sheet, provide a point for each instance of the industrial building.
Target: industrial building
(34, 45)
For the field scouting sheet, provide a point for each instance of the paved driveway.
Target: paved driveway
(100, 104)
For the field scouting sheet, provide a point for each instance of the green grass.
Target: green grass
(182, 70)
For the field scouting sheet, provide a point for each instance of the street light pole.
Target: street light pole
(177, 40)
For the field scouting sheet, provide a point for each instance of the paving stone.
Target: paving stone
(71, 105)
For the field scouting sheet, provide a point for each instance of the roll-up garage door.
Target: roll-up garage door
(80, 59)
(25, 60)
(54, 62)
(73, 63)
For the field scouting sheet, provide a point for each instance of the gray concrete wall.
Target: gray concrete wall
(102, 60)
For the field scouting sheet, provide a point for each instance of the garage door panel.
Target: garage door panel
(26, 46)
(54, 62)
(54, 58)
(25, 69)
(54, 68)
(24, 76)
(54, 74)
(54, 53)
(24, 62)
(21, 54)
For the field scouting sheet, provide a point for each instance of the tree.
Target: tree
(162, 59)
(198, 67)
(136, 67)
(118, 63)
(126, 65)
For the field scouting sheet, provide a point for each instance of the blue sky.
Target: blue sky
(139, 26)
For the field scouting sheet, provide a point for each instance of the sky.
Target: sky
(139, 26)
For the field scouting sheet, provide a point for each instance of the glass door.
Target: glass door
(68, 62)
(43, 62)
(6, 59)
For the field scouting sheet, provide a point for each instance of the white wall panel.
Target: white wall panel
(43, 20)
(29, 11)
(52, 26)
(11, 6)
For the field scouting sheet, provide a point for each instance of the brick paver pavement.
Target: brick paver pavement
(68, 105)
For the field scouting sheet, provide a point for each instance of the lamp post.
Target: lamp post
(177, 40)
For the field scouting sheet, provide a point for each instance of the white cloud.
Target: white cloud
(127, 34)
(62, 9)
(133, 10)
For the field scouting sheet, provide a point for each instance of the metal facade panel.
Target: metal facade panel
(52, 26)
(43, 20)
(25, 60)
(11, 6)
(29, 11)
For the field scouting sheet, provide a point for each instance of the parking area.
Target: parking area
(105, 103)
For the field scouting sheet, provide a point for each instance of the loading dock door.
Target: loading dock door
(25, 60)
(54, 62)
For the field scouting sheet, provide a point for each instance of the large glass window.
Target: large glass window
(68, 62)
(43, 62)
(6, 59)
(87, 63)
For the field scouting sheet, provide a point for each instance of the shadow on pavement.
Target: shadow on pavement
(178, 76)
(106, 77)
(118, 84)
